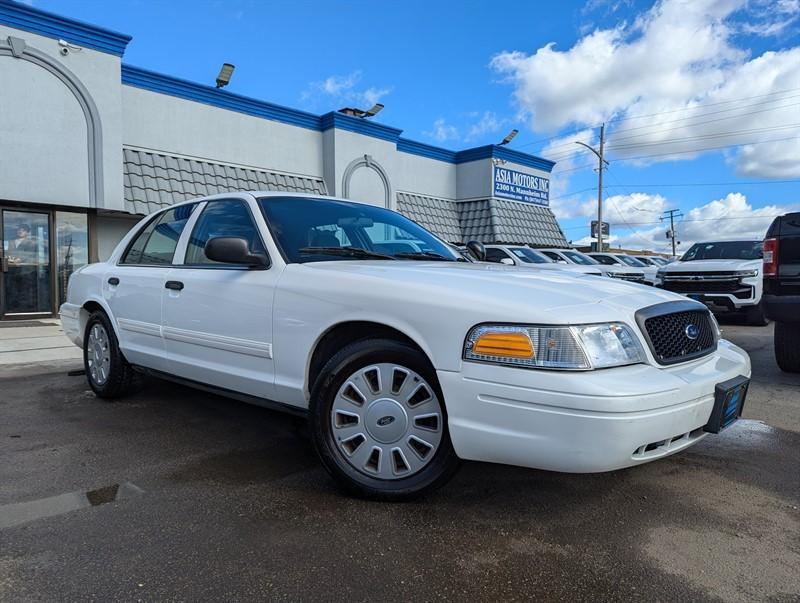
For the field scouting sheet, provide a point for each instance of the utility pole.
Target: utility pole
(602, 164)
(672, 214)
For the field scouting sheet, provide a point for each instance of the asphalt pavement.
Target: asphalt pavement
(176, 494)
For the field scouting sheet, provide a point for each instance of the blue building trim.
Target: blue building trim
(504, 153)
(173, 86)
(426, 150)
(208, 95)
(34, 20)
(334, 119)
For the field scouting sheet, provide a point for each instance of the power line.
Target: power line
(680, 184)
(701, 149)
(699, 106)
(686, 221)
(635, 145)
(702, 105)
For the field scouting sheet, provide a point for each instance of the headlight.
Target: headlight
(579, 347)
(747, 273)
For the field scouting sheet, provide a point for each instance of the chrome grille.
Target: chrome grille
(677, 331)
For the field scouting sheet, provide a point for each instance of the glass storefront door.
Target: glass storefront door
(39, 251)
(25, 264)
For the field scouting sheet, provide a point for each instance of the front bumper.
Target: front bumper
(583, 422)
(70, 315)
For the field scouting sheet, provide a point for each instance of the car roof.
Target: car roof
(257, 194)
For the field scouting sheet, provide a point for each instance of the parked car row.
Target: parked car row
(405, 357)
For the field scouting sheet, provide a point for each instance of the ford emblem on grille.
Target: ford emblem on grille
(692, 331)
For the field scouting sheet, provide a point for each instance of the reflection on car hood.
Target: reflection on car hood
(506, 289)
(711, 265)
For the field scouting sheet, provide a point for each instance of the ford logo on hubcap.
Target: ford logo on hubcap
(384, 421)
(692, 332)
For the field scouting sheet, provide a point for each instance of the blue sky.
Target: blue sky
(671, 77)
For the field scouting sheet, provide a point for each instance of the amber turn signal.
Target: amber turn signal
(504, 344)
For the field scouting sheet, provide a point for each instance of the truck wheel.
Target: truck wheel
(378, 421)
(787, 346)
(757, 315)
(109, 374)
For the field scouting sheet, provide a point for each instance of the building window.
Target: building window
(26, 246)
(72, 247)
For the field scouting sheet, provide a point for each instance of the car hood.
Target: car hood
(498, 291)
(711, 265)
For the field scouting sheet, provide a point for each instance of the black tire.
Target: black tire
(122, 378)
(335, 372)
(787, 346)
(757, 315)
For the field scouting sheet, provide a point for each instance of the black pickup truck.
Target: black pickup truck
(782, 288)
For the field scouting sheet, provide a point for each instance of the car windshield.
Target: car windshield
(727, 250)
(659, 261)
(631, 261)
(318, 230)
(608, 260)
(578, 258)
(529, 256)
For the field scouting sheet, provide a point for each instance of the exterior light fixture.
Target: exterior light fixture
(354, 112)
(509, 137)
(225, 73)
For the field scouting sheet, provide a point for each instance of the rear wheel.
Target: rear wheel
(378, 421)
(109, 374)
(787, 346)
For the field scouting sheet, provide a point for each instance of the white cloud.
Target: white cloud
(488, 123)
(442, 131)
(676, 56)
(731, 217)
(343, 89)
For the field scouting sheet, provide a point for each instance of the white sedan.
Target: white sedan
(403, 362)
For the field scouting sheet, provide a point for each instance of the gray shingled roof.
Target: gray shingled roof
(517, 222)
(487, 220)
(156, 180)
(440, 216)
(512, 222)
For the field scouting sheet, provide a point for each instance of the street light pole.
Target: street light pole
(602, 163)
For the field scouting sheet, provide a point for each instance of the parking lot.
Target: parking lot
(193, 496)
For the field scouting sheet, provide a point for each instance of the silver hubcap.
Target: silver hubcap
(98, 355)
(387, 421)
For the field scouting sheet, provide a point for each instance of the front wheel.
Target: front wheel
(787, 346)
(109, 374)
(757, 315)
(379, 423)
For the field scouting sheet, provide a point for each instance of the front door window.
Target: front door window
(26, 286)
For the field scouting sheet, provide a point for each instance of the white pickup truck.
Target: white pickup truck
(403, 362)
(724, 275)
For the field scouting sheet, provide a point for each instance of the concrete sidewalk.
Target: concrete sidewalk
(35, 341)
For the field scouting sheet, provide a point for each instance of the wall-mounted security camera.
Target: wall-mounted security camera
(66, 47)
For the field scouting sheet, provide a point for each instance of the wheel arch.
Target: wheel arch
(93, 305)
(347, 332)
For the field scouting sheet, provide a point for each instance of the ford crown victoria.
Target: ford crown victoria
(404, 361)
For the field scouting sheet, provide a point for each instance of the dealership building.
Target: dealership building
(90, 144)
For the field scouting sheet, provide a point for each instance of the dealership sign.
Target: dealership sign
(511, 184)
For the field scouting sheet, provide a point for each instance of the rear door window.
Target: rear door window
(156, 244)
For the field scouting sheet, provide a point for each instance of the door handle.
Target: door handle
(174, 285)
(113, 281)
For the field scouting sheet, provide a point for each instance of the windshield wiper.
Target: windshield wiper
(353, 252)
(423, 255)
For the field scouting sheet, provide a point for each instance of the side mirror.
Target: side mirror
(233, 250)
(507, 261)
(477, 249)
(561, 262)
